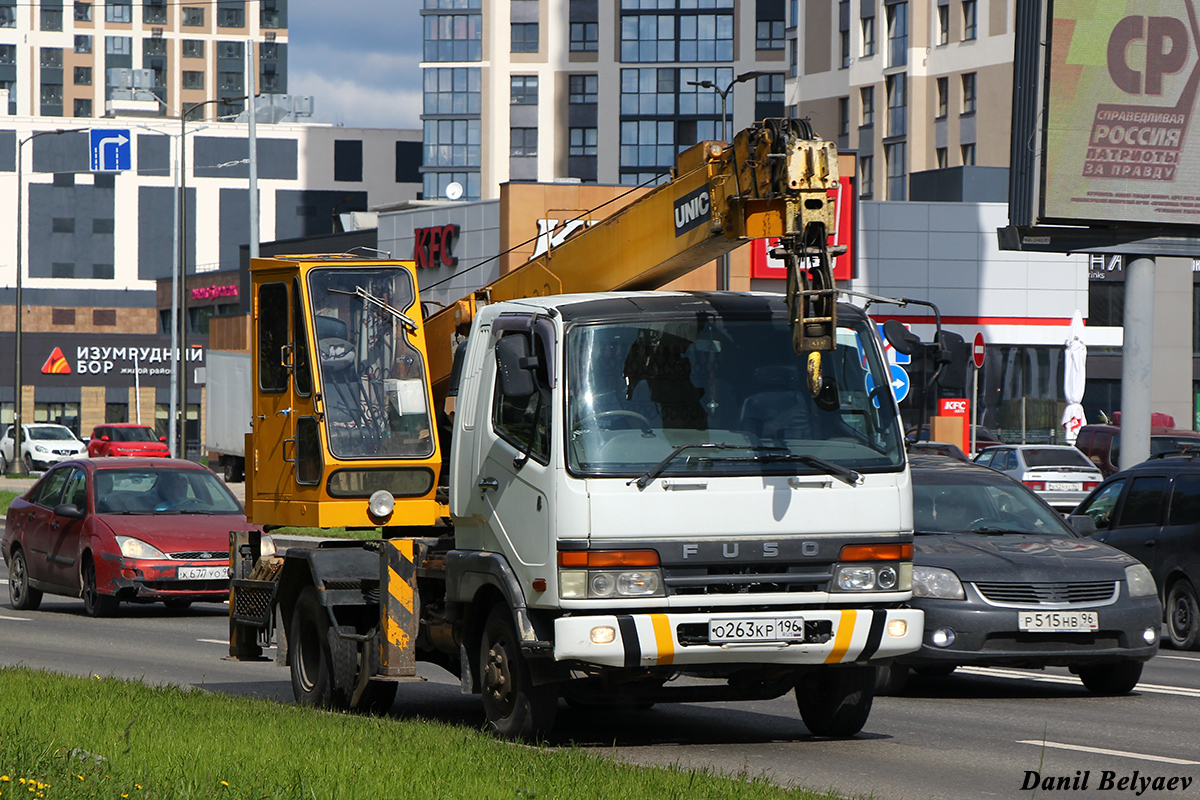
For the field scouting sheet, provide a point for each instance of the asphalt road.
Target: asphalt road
(971, 735)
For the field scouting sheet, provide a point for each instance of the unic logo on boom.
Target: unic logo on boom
(1150, 56)
(692, 210)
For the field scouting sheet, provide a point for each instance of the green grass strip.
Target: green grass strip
(6, 498)
(63, 738)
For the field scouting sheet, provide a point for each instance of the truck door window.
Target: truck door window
(1143, 504)
(300, 364)
(308, 451)
(517, 420)
(272, 336)
(371, 378)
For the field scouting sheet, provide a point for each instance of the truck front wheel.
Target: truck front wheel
(515, 708)
(312, 658)
(836, 701)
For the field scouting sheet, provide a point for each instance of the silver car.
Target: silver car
(1059, 474)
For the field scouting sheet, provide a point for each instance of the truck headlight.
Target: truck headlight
(381, 504)
(935, 582)
(856, 579)
(1141, 582)
(577, 584)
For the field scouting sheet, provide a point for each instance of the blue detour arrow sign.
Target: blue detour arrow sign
(110, 150)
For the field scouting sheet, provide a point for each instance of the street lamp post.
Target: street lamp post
(181, 298)
(723, 270)
(20, 269)
(745, 76)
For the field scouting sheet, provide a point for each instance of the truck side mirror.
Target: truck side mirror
(901, 338)
(515, 366)
(952, 354)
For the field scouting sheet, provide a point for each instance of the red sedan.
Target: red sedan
(129, 529)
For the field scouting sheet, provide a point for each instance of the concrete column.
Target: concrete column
(1172, 340)
(1137, 361)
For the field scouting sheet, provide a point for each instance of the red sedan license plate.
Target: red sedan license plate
(202, 573)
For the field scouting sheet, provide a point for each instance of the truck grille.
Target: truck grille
(1034, 594)
(746, 579)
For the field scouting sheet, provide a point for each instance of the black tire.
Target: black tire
(936, 670)
(890, 679)
(3, 465)
(1111, 679)
(28, 464)
(22, 596)
(96, 604)
(515, 708)
(836, 701)
(1183, 616)
(318, 671)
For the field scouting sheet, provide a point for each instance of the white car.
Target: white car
(43, 445)
(1059, 474)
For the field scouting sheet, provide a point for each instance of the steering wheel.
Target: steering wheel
(617, 412)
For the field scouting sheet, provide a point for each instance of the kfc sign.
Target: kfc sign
(433, 246)
(953, 407)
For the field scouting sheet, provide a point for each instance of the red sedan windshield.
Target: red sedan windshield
(162, 491)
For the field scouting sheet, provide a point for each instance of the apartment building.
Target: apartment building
(64, 59)
(599, 91)
(911, 85)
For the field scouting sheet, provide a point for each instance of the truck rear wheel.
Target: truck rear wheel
(836, 701)
(515, 708)
(315, 666)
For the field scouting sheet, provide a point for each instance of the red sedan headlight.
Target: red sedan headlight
(136, 548)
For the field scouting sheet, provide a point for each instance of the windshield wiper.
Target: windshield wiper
(374, 302)
(652, 473)
(846, 476)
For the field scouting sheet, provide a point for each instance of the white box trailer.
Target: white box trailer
(227, 412)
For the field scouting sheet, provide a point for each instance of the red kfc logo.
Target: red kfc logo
(433, 246)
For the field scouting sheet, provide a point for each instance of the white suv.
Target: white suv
(42, 446)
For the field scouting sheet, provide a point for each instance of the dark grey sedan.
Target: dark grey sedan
(1004, 581)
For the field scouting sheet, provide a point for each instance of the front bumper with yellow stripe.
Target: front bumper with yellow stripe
(647, 640)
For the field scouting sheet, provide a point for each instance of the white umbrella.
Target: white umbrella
(1073, 379)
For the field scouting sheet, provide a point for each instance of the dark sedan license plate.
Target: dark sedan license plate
(1058, 621)
(202, 573)
(740, 629)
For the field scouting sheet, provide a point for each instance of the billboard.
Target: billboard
(1119, 107)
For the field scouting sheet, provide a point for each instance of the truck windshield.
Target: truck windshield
(637, 390)
(371, 379)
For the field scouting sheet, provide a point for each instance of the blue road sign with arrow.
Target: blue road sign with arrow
(110, 150)
(900, 384)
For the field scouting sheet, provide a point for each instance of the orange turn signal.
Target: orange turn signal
(608, 558)
(877, 552)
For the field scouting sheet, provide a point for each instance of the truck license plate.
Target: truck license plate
(202, 573)
(1058, 621)
(740, 629)
(1062, 487)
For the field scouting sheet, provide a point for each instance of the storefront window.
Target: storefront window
(66, 414)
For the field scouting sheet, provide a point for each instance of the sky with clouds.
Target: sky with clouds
(359, 59)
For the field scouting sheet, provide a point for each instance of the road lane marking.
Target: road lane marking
(226, 641)
(1179, 658)
(1150, 688)
(1106, 752)
(16, 619)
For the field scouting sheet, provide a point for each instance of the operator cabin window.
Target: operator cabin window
(525, 422)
